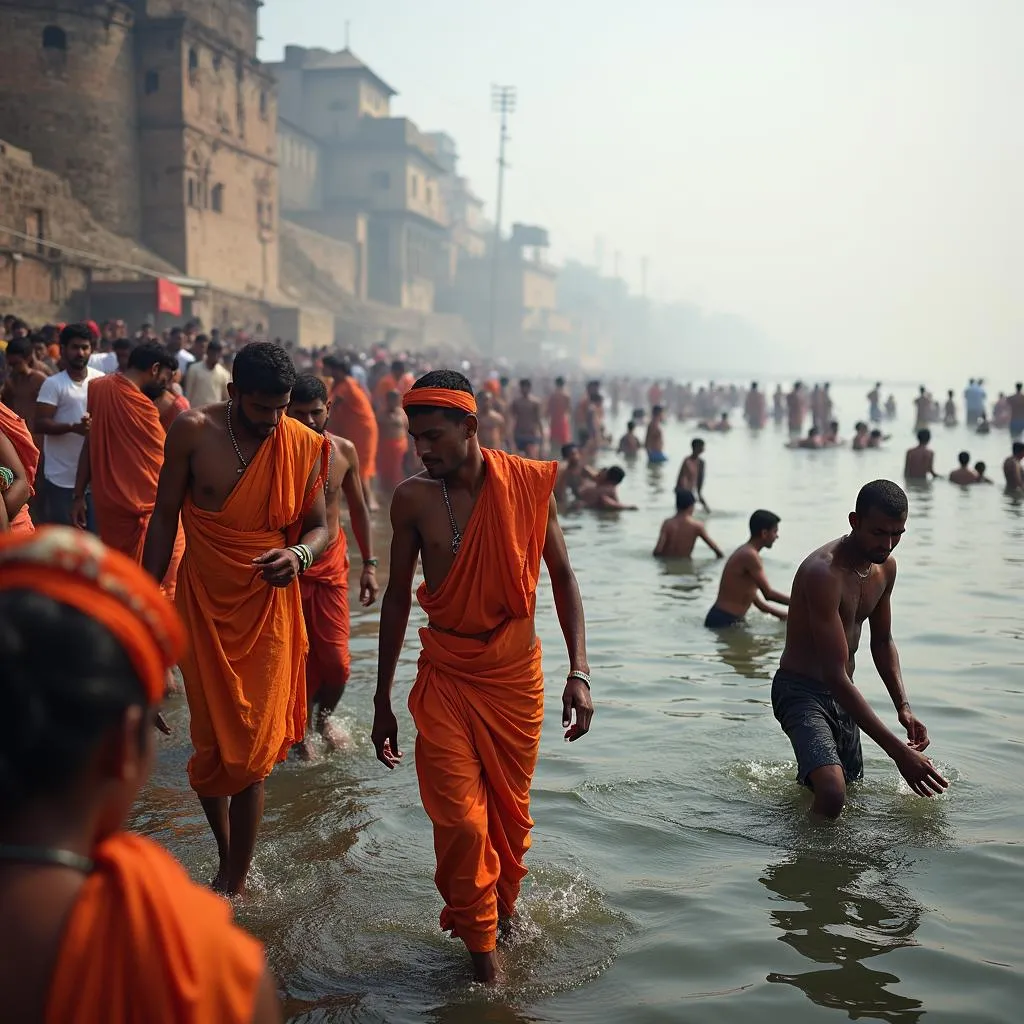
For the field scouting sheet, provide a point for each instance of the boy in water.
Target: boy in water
(920, 461)
(679, 534)
(629, 443)
(603, 493)
(743, 578)
(963, 474)
(691, 472)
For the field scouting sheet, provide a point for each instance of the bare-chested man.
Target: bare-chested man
(491, 424)
(1015, 403)
(691, 472)
(680, 533)
(573, 473)
(559, 412)
(392, 443)
(754, 408)
(527, 426)
(324, 586)
(860, 436)
(24, 379)
(796, 409)
(836, 588)
(744, 582)
(920, 461)
(963, 474)
(602, 493)
(949, 412)
(923, 408)
(654, 442)
(812, 440)
(629, 443)
(1011, 468)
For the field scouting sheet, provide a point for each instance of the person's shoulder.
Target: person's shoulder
(342, 446)
(54, 386)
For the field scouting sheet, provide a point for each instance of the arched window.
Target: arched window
(55, 38)
(217, 199)
(191, 191)
(263, 104)
(193, 65)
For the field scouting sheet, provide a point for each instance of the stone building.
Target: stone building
(354, 172)
(163, 122)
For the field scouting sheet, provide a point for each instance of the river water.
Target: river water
(674, 874)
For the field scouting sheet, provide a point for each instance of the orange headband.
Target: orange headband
(444, 398)
(74, 568)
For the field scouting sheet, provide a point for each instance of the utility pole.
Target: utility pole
(503, 102)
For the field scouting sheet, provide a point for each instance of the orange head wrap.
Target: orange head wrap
(74, 568)
(443, 398)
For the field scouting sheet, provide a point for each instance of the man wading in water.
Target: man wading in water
(835, 589)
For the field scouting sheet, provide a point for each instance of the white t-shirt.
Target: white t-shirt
(204, 386)
(185, 360)
(105, 362)
(61, 451)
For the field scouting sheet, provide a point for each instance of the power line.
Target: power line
(503, 102)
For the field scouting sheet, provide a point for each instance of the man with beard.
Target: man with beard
(123, 453)
(324, 586)
(481, 521)
(247, 482)
(835, 589)
(62, 418)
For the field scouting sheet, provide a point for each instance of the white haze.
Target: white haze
(844, 176)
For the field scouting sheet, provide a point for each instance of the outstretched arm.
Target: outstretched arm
(756, 570)
(703, 534)
(569, 608)
(394, 619)
(659, 547)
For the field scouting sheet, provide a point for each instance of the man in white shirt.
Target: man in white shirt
(176, 345)
(207, 382)
(63, 420)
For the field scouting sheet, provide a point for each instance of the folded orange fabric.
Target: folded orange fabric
(478, 706)
(245, 669)
(146, 945)
(76, 569)
(324, 589)
(17, 432)
(352, 417)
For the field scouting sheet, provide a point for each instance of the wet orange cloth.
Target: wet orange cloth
(478, 706)
(352, 417)
(17, 432)
(146, 945)
(245, 669)
(324, 589)
(171, 412)
(391, 453)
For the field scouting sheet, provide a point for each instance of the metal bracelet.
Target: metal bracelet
(581, 676)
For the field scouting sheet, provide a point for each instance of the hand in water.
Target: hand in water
(385, 736)
(917, 734)
(576, 697)
(921, 775)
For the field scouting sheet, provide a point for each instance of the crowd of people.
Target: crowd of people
(177, 500)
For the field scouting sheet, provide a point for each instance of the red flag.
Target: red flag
(168, 297)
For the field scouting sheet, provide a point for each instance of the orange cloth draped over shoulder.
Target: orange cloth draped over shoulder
(352, 417)
(126, 454)
(245, 668)
(388, 383)
(172, 411)
(17, 432)
(146, 945)
(478, 705)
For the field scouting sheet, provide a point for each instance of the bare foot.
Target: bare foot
(220, 880)
(335, 736)
(171, 684)
(306, 750)
(487, 968)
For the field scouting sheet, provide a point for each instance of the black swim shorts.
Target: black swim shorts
(717, 619)
(821, 732)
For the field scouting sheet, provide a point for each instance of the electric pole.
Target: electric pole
(503, 102)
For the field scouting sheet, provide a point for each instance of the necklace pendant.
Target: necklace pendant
(240, 470)
(456, 544)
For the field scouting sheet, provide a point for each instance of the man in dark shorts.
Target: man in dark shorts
(835, 589)
(743, 579)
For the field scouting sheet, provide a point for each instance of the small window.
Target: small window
(380, 179)
(259, 211)
(217, 199)
(218, 59)
(55, 38)
(414, 186)
(152, 82)
(193, 65)
(264, 104)
(430, 196)
(191, 191)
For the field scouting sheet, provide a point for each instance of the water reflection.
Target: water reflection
(750, 655)
(850, 914)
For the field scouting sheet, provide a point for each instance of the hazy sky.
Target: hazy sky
(847, 175)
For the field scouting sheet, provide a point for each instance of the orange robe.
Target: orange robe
(126, 454)
(391, 453)
(387, 384)
(478, 706)
(352, 417)
(171, 412)
(324, 589)
(245, 667)
(145, 945)
(17, 432)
